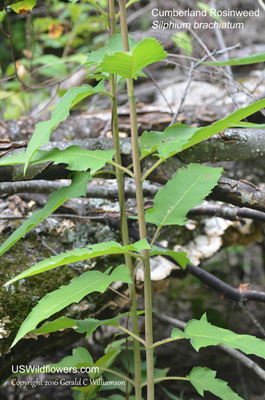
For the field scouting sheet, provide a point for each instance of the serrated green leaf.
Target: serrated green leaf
(117, 344)
(15, 159)
(77, 158)
(88, 282)
(168, 142)
(179, 137)
(43, 130)
(127, 65)
(56, 199)
(174, 137)
(56, 325)
(106, 360)
(218, 126)
(186, 190)
(80, 358)
(96, 250)
(204, 379)
(252, 59)
(89, 325)
(114, 44)
(178, 333)
(179, 256)
(203, 334)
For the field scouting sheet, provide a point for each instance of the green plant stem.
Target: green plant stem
(148, 172)
(124, 223)
(168, 378)
(155, 237)
(137, 337)
(117, 374)
(128, 259)
(168, 340)
(135, 255)
(138, 265)
(126, 6)
(145, 253)
(120, 167)
(141, 217)
(102, 12)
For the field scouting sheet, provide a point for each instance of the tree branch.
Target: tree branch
(239, 193)
(222, 288)
(93, 191)
(111, 193)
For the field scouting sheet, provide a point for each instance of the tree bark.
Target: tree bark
(234, 144)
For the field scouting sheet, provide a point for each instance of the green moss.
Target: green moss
(18, 299)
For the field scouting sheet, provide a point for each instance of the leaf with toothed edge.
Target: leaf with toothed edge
(76, 189)
(43, 129)
(204, 379)
(203, 334)
(184, 191)
(127, 65)
(74, 156)
(88, 282)
(76, 255)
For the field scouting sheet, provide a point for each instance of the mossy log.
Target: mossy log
(18, 299)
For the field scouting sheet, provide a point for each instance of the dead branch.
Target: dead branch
(215, 284)
(111, 193)
(237, 144)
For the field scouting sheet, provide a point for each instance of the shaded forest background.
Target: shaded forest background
(43, 59)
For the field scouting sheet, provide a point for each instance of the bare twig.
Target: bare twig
(159, 89)
(211, 281)
(252, 318)
(105, 192)
(190, 75)
(139, 12)
(220, 38)
(228, 76)
(184, 94)
(224, 211)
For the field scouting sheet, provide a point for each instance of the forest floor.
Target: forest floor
(199, 100)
